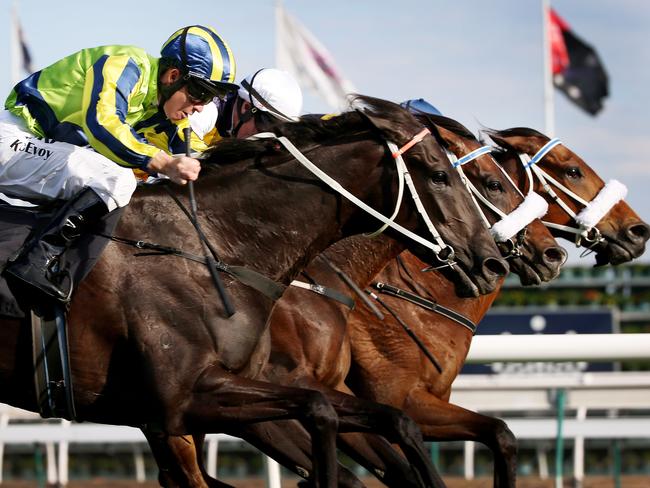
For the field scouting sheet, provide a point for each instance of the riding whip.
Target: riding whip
(218, 283)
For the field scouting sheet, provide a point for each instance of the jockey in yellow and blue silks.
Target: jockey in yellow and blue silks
(102, 97)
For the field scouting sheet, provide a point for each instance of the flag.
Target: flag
(21, 59)
(301, 54)
(577, 70)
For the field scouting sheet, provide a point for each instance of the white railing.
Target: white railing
(559, 347)
(57, 435)
(583, 393)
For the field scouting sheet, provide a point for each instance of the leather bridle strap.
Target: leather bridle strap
(425, 303)
(416, 138)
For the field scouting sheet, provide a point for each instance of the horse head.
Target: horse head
(513, 219)
(470, 252)
(582, 208)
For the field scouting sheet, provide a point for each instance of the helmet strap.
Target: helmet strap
(255, 95)
(243, 117)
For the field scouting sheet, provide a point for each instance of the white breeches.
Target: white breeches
(35, 168)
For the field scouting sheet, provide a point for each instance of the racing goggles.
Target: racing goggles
(202, 90)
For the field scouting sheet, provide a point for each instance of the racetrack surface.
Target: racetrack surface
(484, 482)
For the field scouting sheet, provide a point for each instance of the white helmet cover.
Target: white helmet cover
(279, 91)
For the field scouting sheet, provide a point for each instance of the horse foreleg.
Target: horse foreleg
(223, 402)
(358, 415)
(443, 421)
(180, 462)
(289, 444)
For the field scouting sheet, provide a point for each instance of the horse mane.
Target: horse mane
(514, 131)
(451, 125)
(310, 130)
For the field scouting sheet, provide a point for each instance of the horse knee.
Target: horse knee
(321, 412)
(406, 426)
(505, 439)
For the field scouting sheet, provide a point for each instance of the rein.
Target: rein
(593, 211)
(244, 275)
(422, 302)
(438, 247)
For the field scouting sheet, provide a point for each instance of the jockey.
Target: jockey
(275, 95)
(71, 132)
(420, 106)
(266, 95)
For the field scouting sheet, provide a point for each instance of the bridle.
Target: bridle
(442, 251)
(510, 229)
(586, 220)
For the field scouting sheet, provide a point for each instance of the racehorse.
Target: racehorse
(310, 342)
(397, 375)
(386, 365)
(583, 203)
(150, 344)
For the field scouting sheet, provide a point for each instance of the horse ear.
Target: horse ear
(383, 125)
(454, 142)
(516, 143)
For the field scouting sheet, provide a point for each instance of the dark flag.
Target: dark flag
(577, 70)
(21, 60)
(24, 50)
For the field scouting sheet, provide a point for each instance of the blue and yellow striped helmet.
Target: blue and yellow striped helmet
(206, 60)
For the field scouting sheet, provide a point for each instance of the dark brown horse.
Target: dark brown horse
(149, 341)
(386, 365)
(310, 342)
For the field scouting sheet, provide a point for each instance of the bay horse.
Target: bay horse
(395, 373)
(150, 344)
(386, 366)
(311, 344)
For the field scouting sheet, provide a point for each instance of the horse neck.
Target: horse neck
(362, 258)
(274, 219)
(434, 285)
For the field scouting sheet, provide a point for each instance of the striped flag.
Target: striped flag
(21, 59)
(301, 54)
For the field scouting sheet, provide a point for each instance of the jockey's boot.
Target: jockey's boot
(38, 264)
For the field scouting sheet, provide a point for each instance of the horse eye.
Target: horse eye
(494, 186)
(439, 177)
(573, 172)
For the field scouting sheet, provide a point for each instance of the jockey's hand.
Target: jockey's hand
(179, 169)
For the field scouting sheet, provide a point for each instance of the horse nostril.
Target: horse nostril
(555, 255)
(494, 266)
(638, 232)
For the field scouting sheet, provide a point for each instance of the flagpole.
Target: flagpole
(549, 102)
(278, 21)
(14, 46)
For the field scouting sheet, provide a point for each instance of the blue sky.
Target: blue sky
(478, 61)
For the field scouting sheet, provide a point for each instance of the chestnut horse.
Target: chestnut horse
(310, 343)
(394, 372)
(386, 365)
(150, 345)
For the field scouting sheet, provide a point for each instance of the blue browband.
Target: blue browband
(471, 156)
(543, 151)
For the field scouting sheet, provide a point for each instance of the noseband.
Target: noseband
(586, 232)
